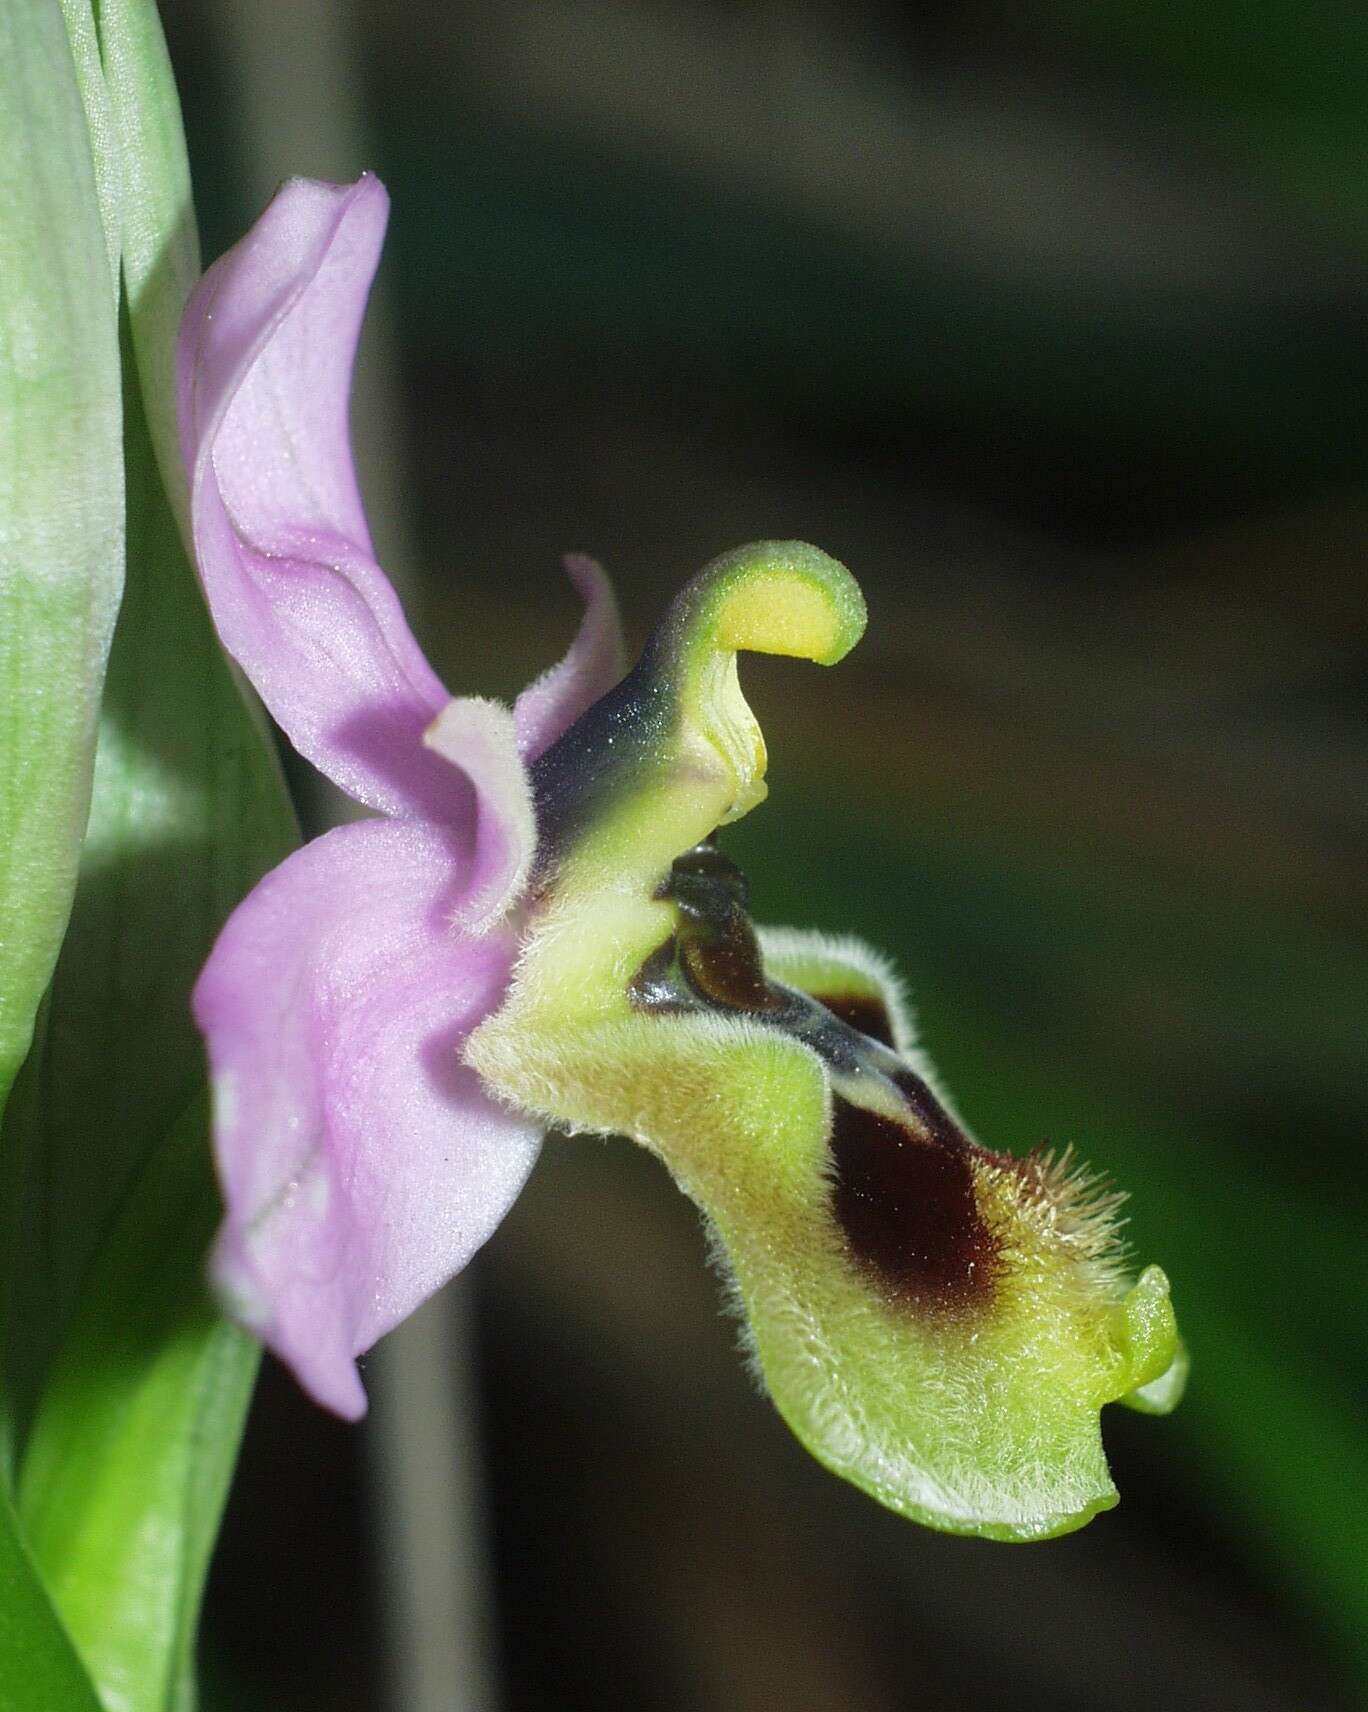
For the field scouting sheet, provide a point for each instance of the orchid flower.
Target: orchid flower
(538, 927)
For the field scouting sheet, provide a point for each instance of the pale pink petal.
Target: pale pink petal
(553, 702)
(478, 736)
(263, 374)
(361, 1163)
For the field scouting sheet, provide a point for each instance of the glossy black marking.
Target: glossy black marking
(705, 871)
(927, 1109)
(903, 1191)
(713, 962)
(655, 986)
(719, 953)
(906, 1207)
(866, 1013)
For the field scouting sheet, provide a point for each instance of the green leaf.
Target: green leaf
(105, 154)
(134, 1387)
(61, 500)
(160, 246)
(39, 1671)
(124, 1391)
(142, 175)
(188, 812)
(133, 1447)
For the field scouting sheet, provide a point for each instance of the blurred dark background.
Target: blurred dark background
(1050, 320)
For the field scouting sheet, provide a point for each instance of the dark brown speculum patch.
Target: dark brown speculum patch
(906, 1207)
(863, 1012)
(903, 1186)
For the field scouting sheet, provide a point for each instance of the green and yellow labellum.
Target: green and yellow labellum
(939, 1324)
